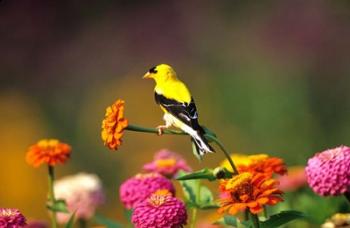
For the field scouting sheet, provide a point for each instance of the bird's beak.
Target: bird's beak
(147, 75)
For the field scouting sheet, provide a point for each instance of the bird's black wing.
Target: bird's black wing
(186, 112)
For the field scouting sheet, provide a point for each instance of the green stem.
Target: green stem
(194, 210)
(51, 179)
(347, 196)
(153, 130)
(246, 214)
(266, 214)
(194, 216)
(82, 223)
(255, 220)
(174, 132)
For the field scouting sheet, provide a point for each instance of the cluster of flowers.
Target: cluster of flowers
(82, 193)
(251, 189)
(151, 195)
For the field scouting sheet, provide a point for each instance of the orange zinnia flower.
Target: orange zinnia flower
(113, 125)
(248, 191)
(260, 163)
(49, 151)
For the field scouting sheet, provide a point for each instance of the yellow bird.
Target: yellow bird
(178, 105)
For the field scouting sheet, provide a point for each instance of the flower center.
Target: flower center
(161, 163)
(330, 154)
(48, 144)
(159, 197)
(7, 213)
(146, 175)
(240, 187)
(243, 192)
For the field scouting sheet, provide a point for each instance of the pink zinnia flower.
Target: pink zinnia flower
(141, 186)
(11, 218)
(160, 210)
(294, 179)
(167, 163)
(82, 192)
(328, 172)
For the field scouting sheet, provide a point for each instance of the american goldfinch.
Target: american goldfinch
(178, 105)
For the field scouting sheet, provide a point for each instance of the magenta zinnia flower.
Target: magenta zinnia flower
(328, 172)
(160, 210)
(11, 218)
(167, 163)
(141, 186)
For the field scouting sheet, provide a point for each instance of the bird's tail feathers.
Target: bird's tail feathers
(202, 144)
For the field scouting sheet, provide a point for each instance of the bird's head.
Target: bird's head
(161, 73)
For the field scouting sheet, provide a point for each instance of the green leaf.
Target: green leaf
(190, 189)
(248, 224)
(201, 174)
(230, 220)
(205, 196)
(206, 199)
(282, 218)
(59, 206)
(70, 223)
(196, 195)
(107, 222)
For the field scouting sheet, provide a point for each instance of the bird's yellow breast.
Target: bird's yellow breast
(174, 89)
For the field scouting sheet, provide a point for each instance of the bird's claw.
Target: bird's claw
(161, 129)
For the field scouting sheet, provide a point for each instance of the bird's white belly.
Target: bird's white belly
(171, 120)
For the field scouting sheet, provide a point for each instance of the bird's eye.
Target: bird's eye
(153, 70)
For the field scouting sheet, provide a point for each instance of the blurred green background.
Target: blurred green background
(268, 77)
